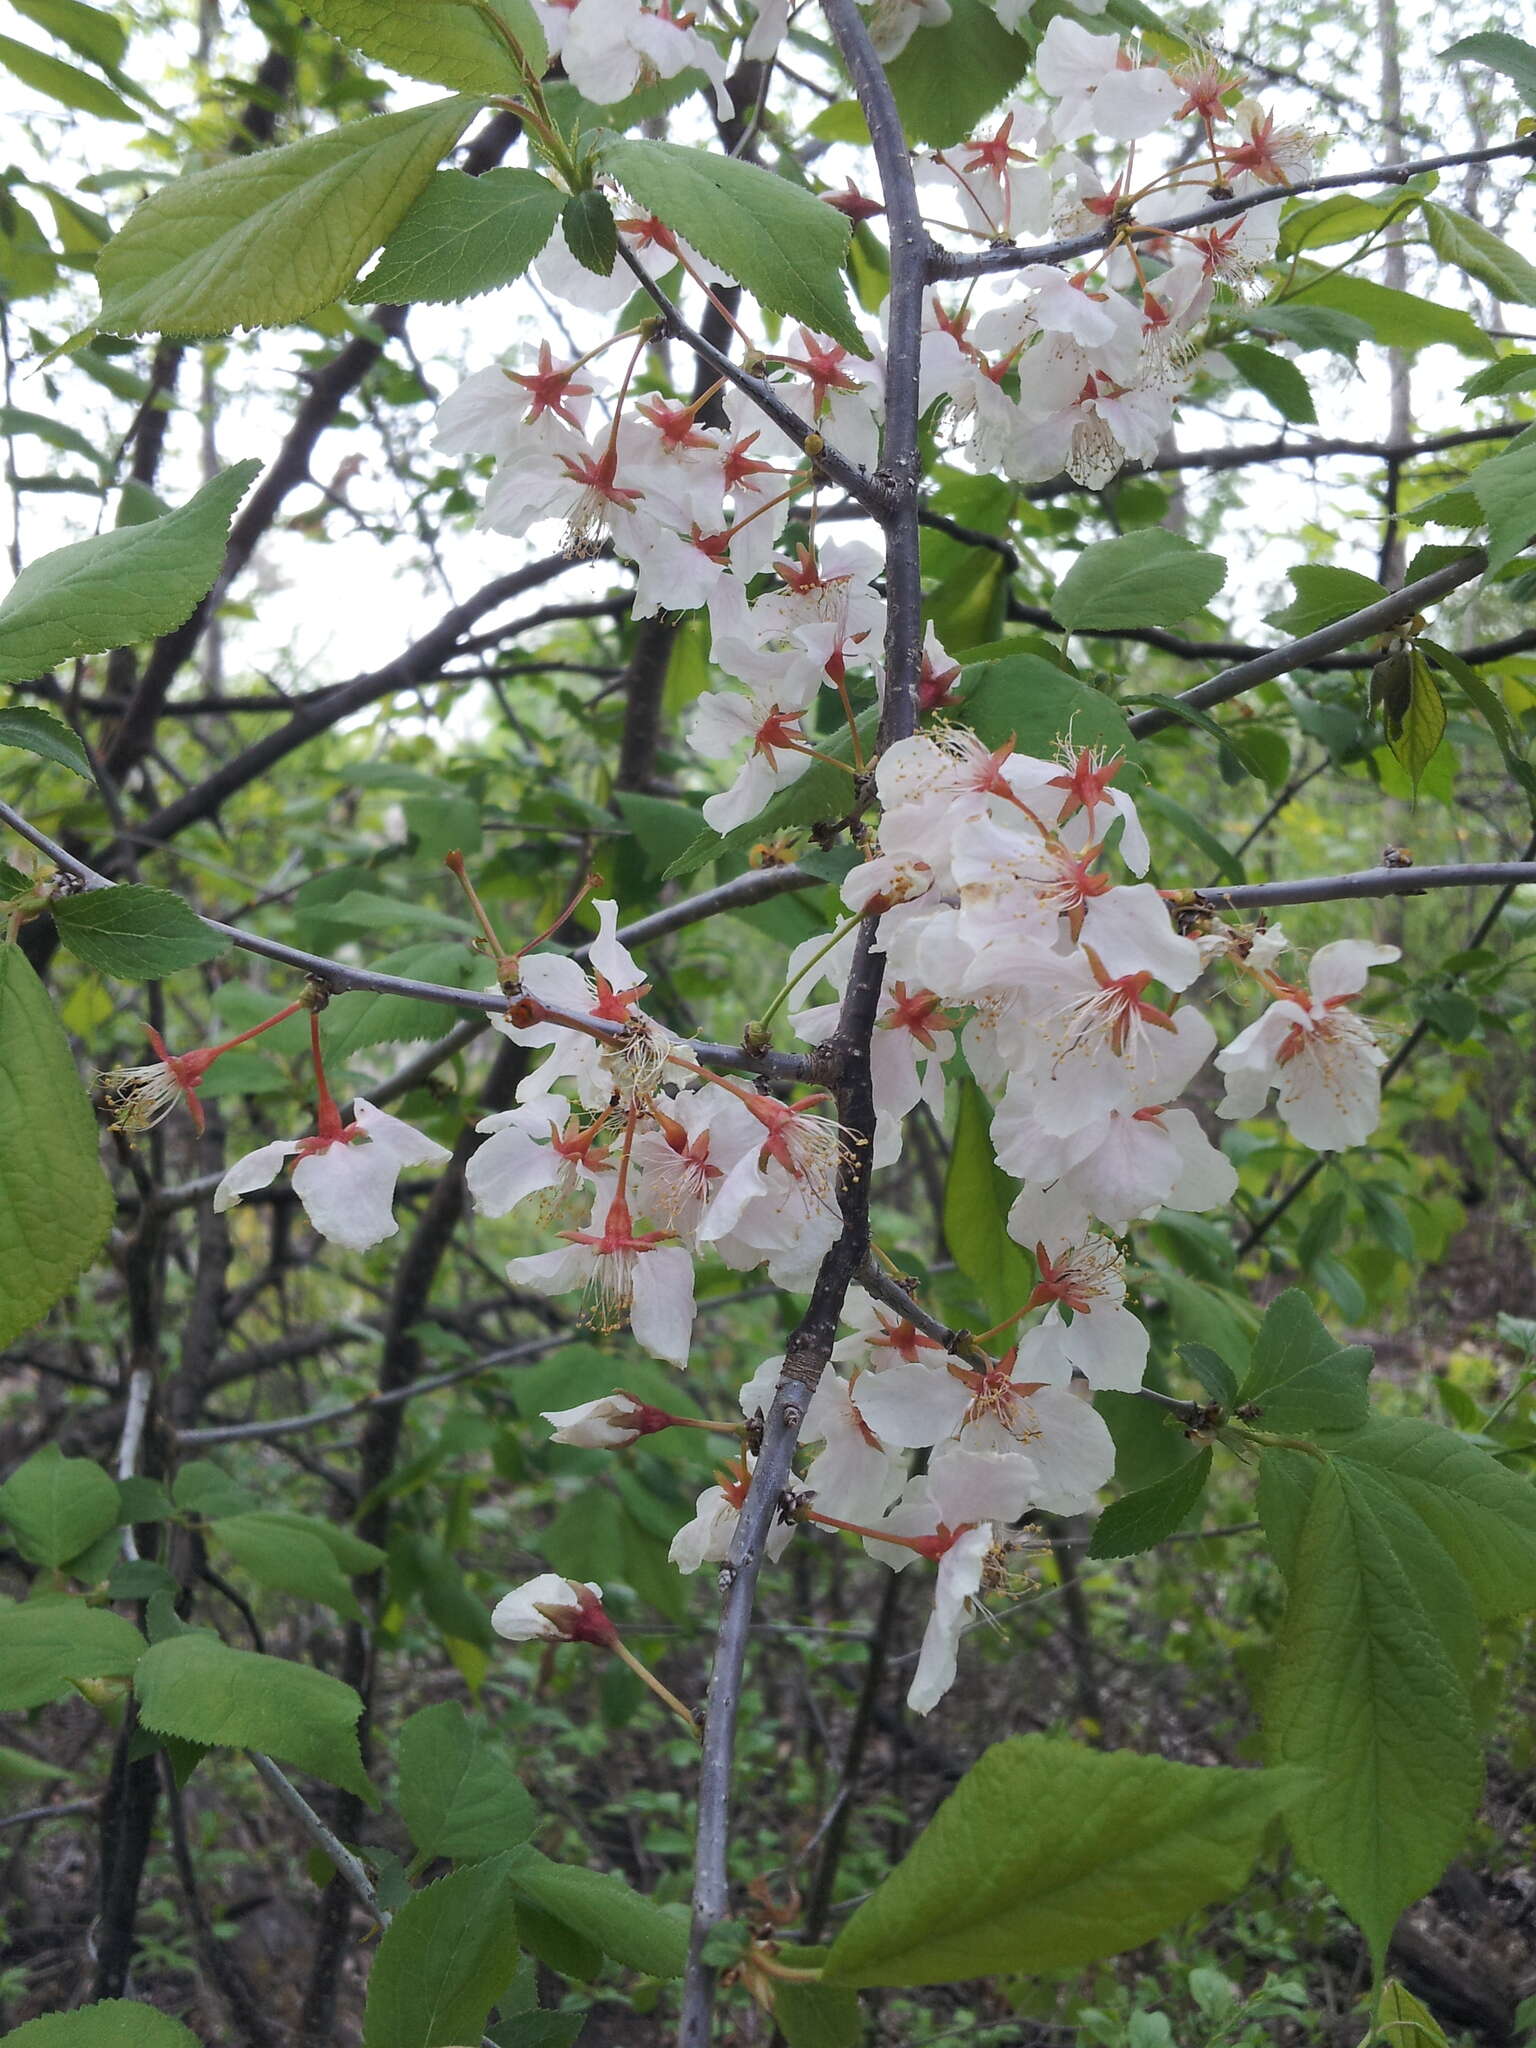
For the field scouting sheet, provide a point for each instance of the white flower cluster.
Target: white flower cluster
(1004, 931)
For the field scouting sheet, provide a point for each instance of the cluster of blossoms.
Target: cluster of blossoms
(1004, 931)
(1006, 892)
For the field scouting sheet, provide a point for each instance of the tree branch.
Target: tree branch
(1372, 882)
(1279, 661)
(340, 978)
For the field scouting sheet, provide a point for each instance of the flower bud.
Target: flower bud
(607, 1424)
(550, 1609)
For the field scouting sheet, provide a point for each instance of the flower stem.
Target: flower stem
(648, 1677)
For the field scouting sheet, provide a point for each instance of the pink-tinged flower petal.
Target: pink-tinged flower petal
(1130, 930)
(1070, 1447)
(1343, 967)
(1206, 1178)
(516, 1614)
(1107, 1346)
(401, 1141)
(980, 1486)
(555, 1272)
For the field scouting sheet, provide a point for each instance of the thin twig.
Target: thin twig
(346, 1865)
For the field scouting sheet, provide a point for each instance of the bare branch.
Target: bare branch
(1372, 882)
(1280, 661)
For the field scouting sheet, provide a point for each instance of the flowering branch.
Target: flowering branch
(987, 262)
(339, 978)
(863, 489)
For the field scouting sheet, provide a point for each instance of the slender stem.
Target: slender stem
(347, 1867)
(664, 1693)
(1280, 661)
(848, 925)
(1374, 882)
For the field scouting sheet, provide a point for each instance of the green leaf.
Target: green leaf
(58, 1506)
(1484, 1514)
(63, 82)
(1138, 1520)
(1363, 1695)
(48, 1644)
(88, 31)
(1412, 709)
(135, 933)
(119, 587)
(1039, 707)
(950, 75)
(601, 1907)
(1213, 1373)
(1313, 327)
(1301, 1377)
(14, 421)
(815, 2015)
(1149, 578)
(205, 1489)
(1505, 489)
(275, 236)
(1323, 596)
(775, 238)
(1401, 2022)
(1396, 319)
(114, 2023)
(1456, 238)
(458, 1794)
(591, 234)
(464, 236)
(40, 733)
(1273, 377)
(1500, 52)
(977, 1197)
(1510, 373)
(1343, 217)
(198, 1688)
(287, 1553)
(446, 42)
(445, 1957)
(1048, 1855)
(56, 1203)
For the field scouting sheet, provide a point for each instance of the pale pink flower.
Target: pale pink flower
(1097, 92)
(1323, 1059)
(638, 1278)
(1104, 1341)
(346, 1183)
